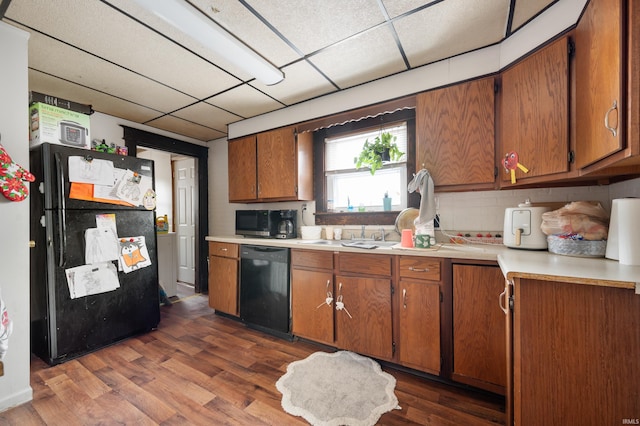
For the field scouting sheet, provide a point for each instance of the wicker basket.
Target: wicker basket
(579, 248)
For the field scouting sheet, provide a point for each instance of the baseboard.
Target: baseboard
(16, 399)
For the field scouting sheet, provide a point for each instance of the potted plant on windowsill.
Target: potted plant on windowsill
(374, 154)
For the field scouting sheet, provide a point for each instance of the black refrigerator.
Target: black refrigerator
(66, 324)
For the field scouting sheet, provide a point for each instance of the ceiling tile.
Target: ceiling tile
(109, 34)
(452, 27)
(58, 59)
(239, 21)
(301, 82)
(185, 128)
(525, 10)
(207, 115)
(398, 7)
(101, 102)
(351, 62)
(311, 25)
(245, 101)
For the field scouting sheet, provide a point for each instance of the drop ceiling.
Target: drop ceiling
(127, 63)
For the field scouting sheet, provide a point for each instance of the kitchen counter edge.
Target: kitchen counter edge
(539, 265)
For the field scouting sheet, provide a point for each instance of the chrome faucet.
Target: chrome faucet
(382, 234)
(362, 237)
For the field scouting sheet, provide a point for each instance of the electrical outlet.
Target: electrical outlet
(304, 207)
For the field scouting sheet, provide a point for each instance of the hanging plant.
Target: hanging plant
(374, 154)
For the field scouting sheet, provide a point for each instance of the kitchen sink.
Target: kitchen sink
(350, 243)
(376, 243)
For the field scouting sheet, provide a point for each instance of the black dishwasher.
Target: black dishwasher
(264, 289)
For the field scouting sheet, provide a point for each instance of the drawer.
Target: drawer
(312, 259)
(223, 249)
(420, 268)
(368, 264)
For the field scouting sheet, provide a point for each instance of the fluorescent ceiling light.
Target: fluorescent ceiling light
(189, 20)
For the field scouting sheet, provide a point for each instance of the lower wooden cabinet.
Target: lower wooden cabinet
(223, 277)
(479, 349)
(575, 354)
(363, 286)
(364, 325)
(311, 285)
(419, 314)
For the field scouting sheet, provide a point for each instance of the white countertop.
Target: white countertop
(514, 263)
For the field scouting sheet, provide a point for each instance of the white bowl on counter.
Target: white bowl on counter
(311, 232)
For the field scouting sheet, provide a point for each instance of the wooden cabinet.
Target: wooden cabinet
(455, 134)
(419, 300)
(363, 286)
(272, 166)
(576, 350)
(534, 114)
(223, 277)
(600, 97)
(479, 356)
(243, 185)
(311, 285)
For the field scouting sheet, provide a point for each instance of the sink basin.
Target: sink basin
(355, 242)
(375, 243)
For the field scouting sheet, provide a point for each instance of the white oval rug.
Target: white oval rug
(341, 388)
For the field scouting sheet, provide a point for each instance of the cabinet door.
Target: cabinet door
(576, 354)
(534, 113)
(419, 331)
(223, 284)
(242, 169)
(364, 325)
(277, 164)
(479, 355)
(455, 134)
(312, 318)
(599, 39)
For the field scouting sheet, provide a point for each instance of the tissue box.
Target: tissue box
(52, 124)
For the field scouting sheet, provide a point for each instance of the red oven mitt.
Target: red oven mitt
(11, 178)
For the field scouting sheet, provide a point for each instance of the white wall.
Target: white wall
(14, 217)
(163, 181)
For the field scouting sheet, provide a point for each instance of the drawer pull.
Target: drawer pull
(404, 298)
(224, 249)
(412, 269)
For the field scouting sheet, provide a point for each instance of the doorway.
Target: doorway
(135, 138)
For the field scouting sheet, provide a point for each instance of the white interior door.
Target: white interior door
(184, 178)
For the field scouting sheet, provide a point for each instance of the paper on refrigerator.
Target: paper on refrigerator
(86, 280)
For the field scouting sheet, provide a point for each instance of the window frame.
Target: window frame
(323, 217)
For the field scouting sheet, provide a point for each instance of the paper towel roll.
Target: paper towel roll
(613, 243)
(629, 231)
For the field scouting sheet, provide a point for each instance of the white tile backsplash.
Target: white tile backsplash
(484, 210)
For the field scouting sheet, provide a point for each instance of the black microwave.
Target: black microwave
(257, 223)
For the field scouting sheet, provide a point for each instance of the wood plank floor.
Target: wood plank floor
(202, 369)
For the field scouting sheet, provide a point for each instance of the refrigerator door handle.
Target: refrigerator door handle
(61, 210)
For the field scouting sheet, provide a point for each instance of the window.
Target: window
(351, 189)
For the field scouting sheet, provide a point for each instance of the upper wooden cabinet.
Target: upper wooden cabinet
(242, 169)
(599, 65)
(455, 134)
(274, 166)
(534, 114)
